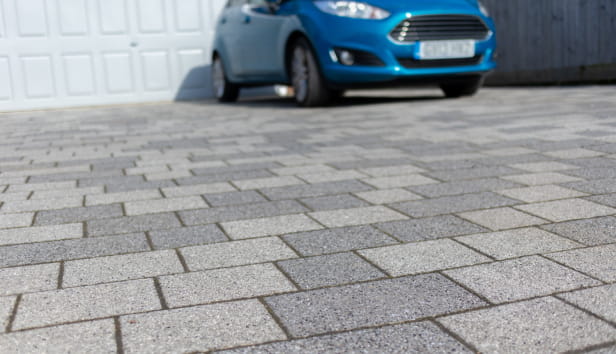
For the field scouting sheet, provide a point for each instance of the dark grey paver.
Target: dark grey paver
(187, 236)
(590, 232)
(337, 240)
(239, 212)
(315, 190)
(462, 187)
(370, 304)
(336, 269)
(234, 198)
(130, 224)
(223, 177)
(599, 186)
(421, 337)
(593, 173)
(341, 201)
(259, 166)
(473, 173)
(598, 261)
(600, 300)
(535, 326)
(70, 176)
(606, 199)
(455, 204)
(430, 228)
(71, 249)
(61, 216)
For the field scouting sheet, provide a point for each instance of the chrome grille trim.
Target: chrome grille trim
(439, 27)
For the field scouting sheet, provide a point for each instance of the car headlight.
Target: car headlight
(483, 9)
(353, 9)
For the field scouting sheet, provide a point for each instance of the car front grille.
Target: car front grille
(440, 27)
(411, 63)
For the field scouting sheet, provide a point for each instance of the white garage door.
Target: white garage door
(58, 53)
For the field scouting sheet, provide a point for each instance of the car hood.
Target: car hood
(421, 5)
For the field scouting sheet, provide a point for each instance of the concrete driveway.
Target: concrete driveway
(394, 223)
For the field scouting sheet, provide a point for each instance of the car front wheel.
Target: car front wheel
(224, 90)
(466, 87)
(309, 85)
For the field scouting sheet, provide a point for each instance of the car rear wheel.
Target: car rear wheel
(223, 89)
(466, 87)
(308, 83)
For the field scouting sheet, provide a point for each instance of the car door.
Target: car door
(259, 41)
(230, 30)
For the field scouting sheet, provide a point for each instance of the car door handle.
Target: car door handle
(247, 19)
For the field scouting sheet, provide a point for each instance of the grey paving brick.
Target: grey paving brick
(593, 173)
(577, 153)
(6, 310)
(518, 242)
(599, 186)
(473, 173)
(275, 225)
(87, 337)
(118, 268)
(241, 212)
(315, 190)
(426, 338)
(430, 228)
(546, 166)
(421, 257)
(40, 233)
(197, 189)
(187, 236)
(72, 176)
(234, 198)
(71, 215)
(337, 240)
(328, 270)
(538, 179)
(235, 168)
(590, 232)
(386, 196)
(567, 209)
(455, 204)
(164, 205)
(76, 192)
(340, 201)
(598, 261)
(236, 253)
(71, 249)
(131, 224)
(127, 186)
(84, 303)
(18, 280)
(223, 284)
(15, 220)
(399, 181)
(29, 187)
(41, 204)
(321, 177)
(540, 325)
(356, 216)
(541, 193)
(224, 177)
(111, 198)
(606, 199)
(290, 171)
(200, 328)
(502, 218)
(520, 279)
(462, 187)
(16, 196)
(370, 304)
(600, 300)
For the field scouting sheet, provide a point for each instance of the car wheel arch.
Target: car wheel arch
(288, 51)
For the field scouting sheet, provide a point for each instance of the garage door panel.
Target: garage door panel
(32, 18)
(79, 74)
(38, 76)
(6, 91)
(156, 75)
(112, 17)
(119, 77)
(187, 15)
(151, 16)
(73, 17)
(2, 23)
(191, 68)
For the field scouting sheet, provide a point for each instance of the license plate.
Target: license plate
(446, 49)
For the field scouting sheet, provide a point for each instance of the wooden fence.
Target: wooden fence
(554, 41)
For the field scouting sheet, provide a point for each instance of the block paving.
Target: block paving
(393, 221)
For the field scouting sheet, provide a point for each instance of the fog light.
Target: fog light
(346, 57)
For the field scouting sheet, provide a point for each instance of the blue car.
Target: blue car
(323, 47)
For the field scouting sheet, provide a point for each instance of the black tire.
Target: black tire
(224, 90)
(310, 87)
(466, 87)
